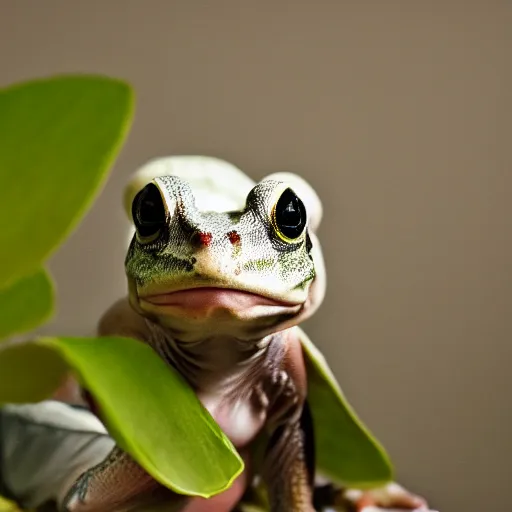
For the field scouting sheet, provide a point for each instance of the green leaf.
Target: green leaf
(29, 372)
(25, 304)
(149, 409)
(58, 139)
(8, 506)
(346, 451)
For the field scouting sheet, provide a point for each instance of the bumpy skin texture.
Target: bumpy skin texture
(238, 250)
(218, 295)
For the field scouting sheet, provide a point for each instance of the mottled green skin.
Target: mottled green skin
(240, 250)
(241, 255)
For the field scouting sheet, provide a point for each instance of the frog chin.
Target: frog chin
(209, 311)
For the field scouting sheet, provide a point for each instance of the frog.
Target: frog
(221, 271)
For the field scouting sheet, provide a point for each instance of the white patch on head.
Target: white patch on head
(216, 184)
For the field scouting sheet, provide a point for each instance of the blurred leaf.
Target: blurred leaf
(29, 372)
(152, 413)
(25, 304)
(346, 451)
(58, 139)
(7, 506)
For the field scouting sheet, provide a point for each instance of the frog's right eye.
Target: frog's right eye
(148, 212)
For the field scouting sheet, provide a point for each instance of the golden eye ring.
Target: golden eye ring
(149, 213)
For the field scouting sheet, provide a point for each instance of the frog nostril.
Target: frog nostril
(234, 237)
(201, 239)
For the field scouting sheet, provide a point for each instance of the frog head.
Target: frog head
(243, 273)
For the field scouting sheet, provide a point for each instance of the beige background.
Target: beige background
(399, 115)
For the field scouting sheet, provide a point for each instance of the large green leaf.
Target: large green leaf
(346, 451)
(58, 138)
(29, 372)
(146, 405)
(25, 304)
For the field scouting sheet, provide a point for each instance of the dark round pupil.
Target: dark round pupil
(290, 215)
(148, 211)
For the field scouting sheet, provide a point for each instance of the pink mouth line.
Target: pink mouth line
(209, 297)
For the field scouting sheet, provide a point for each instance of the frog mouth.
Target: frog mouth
(206, 298)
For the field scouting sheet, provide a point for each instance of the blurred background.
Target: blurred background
(398, 113)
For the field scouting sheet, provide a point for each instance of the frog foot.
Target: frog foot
(391, 496)
(78, 492)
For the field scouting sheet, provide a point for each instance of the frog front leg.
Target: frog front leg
(288, 469)
(119, 483)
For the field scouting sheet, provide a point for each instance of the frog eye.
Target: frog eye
(289, 216)
(148, 211)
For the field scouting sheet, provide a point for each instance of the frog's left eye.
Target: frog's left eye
(289, 216)
(148, 211)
